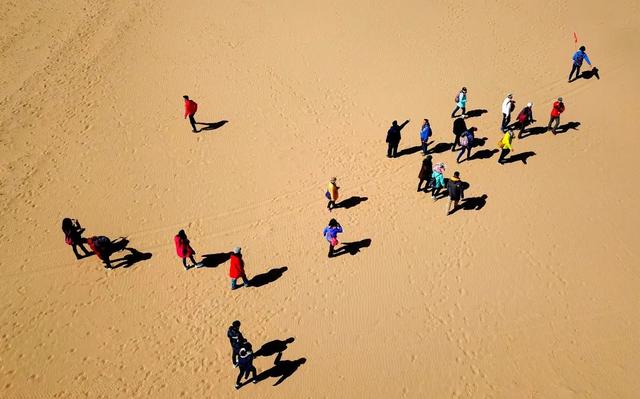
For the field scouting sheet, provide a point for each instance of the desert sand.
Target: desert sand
(535, 295)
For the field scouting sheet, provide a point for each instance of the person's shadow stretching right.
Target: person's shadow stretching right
(281, 368)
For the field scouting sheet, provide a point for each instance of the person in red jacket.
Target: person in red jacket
(190, 108)
(558, 108)
(184, 250)
(101, 246)
(236, 270)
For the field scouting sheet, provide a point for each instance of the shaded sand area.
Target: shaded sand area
(535, 295)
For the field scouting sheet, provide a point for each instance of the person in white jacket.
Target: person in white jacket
(508, 105)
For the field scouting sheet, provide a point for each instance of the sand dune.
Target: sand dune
(535, 295)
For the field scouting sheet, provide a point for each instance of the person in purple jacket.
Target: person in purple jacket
(330, 233)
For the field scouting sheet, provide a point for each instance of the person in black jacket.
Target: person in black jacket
(456, 192)
(393, 138)
(459, 127)
(425, 173)
(236, 340)
(245, 362)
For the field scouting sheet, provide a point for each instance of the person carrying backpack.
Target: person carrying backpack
(101, 246)
(525, 118)
(558, 108)
(578, 57)
(466, 143)
(332, 193)
(461, 103)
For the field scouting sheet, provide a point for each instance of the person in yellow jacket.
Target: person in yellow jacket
(332, 194)
(505, 144)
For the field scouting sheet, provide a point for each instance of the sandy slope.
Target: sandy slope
(533, 296)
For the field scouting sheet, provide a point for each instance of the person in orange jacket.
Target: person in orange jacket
(332, 193)
(558, 108)
(236, 270)
(190, 108)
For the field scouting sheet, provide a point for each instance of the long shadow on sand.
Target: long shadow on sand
(212, 125)
(522, 157)
(352, 248)
(215, 260)
(134, 256)
(351, 202)
(282, 369)
(476, 112)
(268, 277)
(567, 126)
(408, 151)
(273, 347)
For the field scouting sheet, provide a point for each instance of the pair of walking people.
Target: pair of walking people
(432, 176)
(241, 355)
(101, 246)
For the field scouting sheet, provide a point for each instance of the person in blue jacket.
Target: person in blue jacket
(578, 57)
(330, 233)
(425, 134)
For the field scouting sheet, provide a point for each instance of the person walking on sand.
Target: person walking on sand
(330, 233)
(425, 135)
(332, 193)
(425, 173)
(236, 340)
(461, 103)
(556, 110)
(101, 246)
(245, 363)
(184, 250)
(505, 144)
(437, 180)
(190, 108)
(459, 127)
(456, 192)
(525, 118)
(466, 143)
(578, 57)
(393, 138)
(508, 105)
(73, 236)
(236, 269)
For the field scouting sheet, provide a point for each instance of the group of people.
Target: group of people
(101, 246)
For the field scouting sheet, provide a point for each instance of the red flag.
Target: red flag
(575, 38)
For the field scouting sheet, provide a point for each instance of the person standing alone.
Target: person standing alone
(461, 103)
(190, 109)
(578, 57)
(558, 108)
(236, 269)
(393, 138)
(332, 193)
(330, 233)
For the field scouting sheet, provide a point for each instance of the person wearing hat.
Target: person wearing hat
(461, 103)
(558, 108)
(456, 192)
(425, 173)
(437, 180)
(236, 340)
(578, 57)
(190, 108)
(525, 118)
(505, 144)
(508, 105)
(425, 134)
(332, 193)
(236, 269)
(245, 363)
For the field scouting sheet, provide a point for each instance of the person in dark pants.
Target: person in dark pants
(525, 118)
(558, 108)
(466, 143)
(425, 173)
(508, 105)
(505, 144)
(393, 138)
(245, 363)
(459, 127)
(184, 250)
(236, 340)
(101, 246)
(73, 236)
(425, 134)
(190, 108)
(578, 57)
(461, 103)
(456, 191)
(330, 233)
